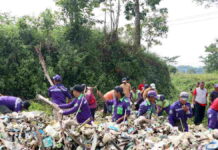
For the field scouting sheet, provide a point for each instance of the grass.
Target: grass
(40, 106)
(186, 82)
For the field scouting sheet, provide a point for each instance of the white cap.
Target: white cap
(152, 85)
(184, 95)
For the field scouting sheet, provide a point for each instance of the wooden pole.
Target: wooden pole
(42, 62)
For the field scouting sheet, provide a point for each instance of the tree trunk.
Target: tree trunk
(105, 22)
(137, 38)
(111, 16)
(118, 15)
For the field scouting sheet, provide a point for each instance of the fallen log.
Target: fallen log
(40, 97)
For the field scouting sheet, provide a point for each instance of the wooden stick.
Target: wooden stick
(42, 62)
(40, 97)
(117, 147)
(181, 124)
(94, 142)
(89, 119)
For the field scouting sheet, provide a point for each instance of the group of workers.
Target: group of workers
(143, 100)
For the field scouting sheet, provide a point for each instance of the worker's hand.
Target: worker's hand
(185, 108)
(118, 121)
(61, 112)
(55, 106)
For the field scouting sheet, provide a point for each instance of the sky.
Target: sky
(191, 26)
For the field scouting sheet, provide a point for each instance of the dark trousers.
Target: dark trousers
(93, 112)
(107, 109)
(199, 112)
(138, 103)
(4, 110)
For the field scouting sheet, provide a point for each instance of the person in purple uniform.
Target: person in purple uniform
(180, 111)
(79, 105)
(213, 115)
(58, 92)
(121, 105)
(140, 99)
(148, 107)
(10, 104)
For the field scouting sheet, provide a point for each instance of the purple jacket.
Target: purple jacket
(212, 119)
(176, 113)
(120, 107)
(146, 108)
(13, 103)
(58, 94)
(84, 112)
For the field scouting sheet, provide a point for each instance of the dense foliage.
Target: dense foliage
(73, 49)
(211, 61)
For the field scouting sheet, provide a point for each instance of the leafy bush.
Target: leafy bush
(97, 61)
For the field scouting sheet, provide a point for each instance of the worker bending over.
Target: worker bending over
(10, 104)
(148, 107)
(79, 105)
(180, 111)
(121, 105)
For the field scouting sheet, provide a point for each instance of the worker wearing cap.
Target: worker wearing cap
(126, 87)
(180, 111)
(152, 87)
(58, 92)
(79, 105)
(121, 105)
(212, 114)
(141, 85)
(141, 99)
(214, 94)
(12, 104)
(162, 105)
(148, 107)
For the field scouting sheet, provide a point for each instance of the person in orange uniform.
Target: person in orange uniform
(107, 97)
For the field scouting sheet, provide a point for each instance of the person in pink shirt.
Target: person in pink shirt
(88, 91)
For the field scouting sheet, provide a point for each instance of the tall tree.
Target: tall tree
(137, 39)
(211, 61)
(150, 22)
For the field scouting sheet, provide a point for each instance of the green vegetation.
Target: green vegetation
(75, 49)
(40, 107)
(186, 82)
(210, 60)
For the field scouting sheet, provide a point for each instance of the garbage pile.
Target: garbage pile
(35, 130)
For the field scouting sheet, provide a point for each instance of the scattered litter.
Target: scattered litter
(36, 130)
